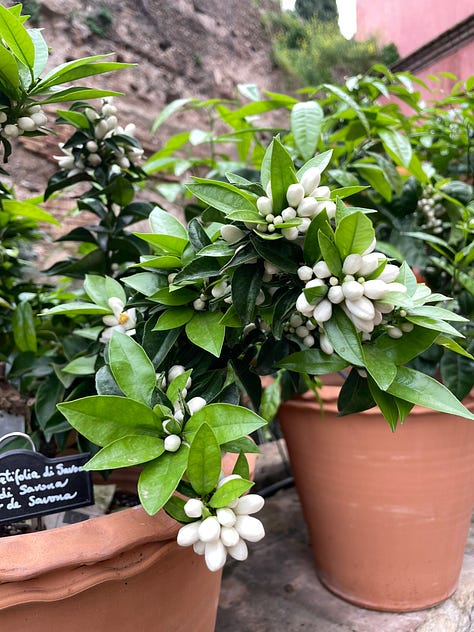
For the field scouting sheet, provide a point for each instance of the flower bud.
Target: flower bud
(215, 555)
(370, 262)
(310, 179)
(305, 273)
(352, 290)
(321, 270)
(303, 306)
(189, 534)
(11, 131)
(94, 160)
(172, 443)
(362, 307)
(175, 371)
(92, 146)
(321, 192)
(226, 479)
(352, 264)
(301, 331)
(371, 248)
(209, 529)
(407, 327)
(264, 205)
(325, 345)
(366, 326)
(239, 552)
(389, 273)
(335, 294)
(396, 287)
(39, 118)
(199, 547)
(307, 207)
(91, 114)
(101, 129)
(308, 341)
(219, 289)
(394, 332)
(323, 311)
(226, 516)
(288, 214)
(249, 504)
(199, 305)
(3, 117)
(374, 289)
(249, 528)
(290, 233)
(296, 320)
(229, 536)
(294, 194)
(195, 404)
(193, 508)
(108, 109)
(26, 123)
(111, 121)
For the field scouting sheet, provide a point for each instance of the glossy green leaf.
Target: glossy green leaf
(9, 77)
(244, 445)
(80, 72)
(175, 298)
(77, 307)
(320, 161)
(78, 94)
(282, 174)
(330, 253)
(313, 293)
(246, 284)
(160, 478)
(174, 318)
(205, 330)
(313, 362)
(127, 451)
(106, 418)
(204, 463)
(24, 331)
(147, 283)
(162, 222)
(229, 491)
(306, 122)
(84, 365)
(49, 393)
(433, 323)
(457, 372)
(397, 145)
(354, 396)
(418, 388)
(222, 196)
(344, 338)
(380, 366)
(178, 385)
(386, 402)
(407, 347)
(131, 367)
(311, 249)
(16, 37)
(354, 234)
(41, 51)
(452, 345)
(99, 289)
(350, 102)
(376, 177)
(345, 192)
(27, 209)
(169, 110)
(227, 421)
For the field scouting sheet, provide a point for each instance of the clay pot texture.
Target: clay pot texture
(387, 513)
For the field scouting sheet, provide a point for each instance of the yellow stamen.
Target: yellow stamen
(123, 318)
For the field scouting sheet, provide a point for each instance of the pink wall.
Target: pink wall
(460, 63)
(409, 23)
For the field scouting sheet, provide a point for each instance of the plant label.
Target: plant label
(33, 485)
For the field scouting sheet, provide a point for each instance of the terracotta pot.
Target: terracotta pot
(387, 513)
(120, 572)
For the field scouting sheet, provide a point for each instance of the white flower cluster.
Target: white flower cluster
(226, 531)
(306, 199)
(429, 205)
(121, 319)
(173, 424)
(30, 121)
(365, 301)
(94, 152)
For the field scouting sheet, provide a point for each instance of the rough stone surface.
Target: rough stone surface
(277, 590)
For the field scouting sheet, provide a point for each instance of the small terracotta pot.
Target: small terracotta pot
(122, 572)
(387, 513)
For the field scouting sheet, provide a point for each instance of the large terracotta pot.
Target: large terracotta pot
(120, 572)
(387, 513)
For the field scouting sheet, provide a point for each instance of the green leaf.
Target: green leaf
(380, 366)
(41, 51)
(74, 308)
(330, 253)
(320, 161)
(285, 254)
(80, 72)
(433, 323)
(127, 451)
(84, 365)
(241, 467)
(354, 234)
(120, 191)
(457, 373)
(306, 122)
(131, 367)
(246, 284)
(175, 298)
(354, 396)
(350, 102)
(206, 331)
(227, 421)
(222, 196)
(311, 248)
(437, 312)
(282, 174)
(345, 192)
(452, 345)
(418, 388)
(147, 283)
(312, 293)
(65, 68)
(198, 269)
(244, 445)
(313, 362)
(16, 37)
(106, 418)
(204, 464)
(99, 289)
(78, 94)
(173, 318)
(397, 146)
(27, 209)
(404, 349)
(177, 386)
(49, 393)
(229, 491)
(24, 331)
(387, 403)
(170, 109)
(9, 77)
(160, 478)
(174, 507)
(344, 338)
(376, 177)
